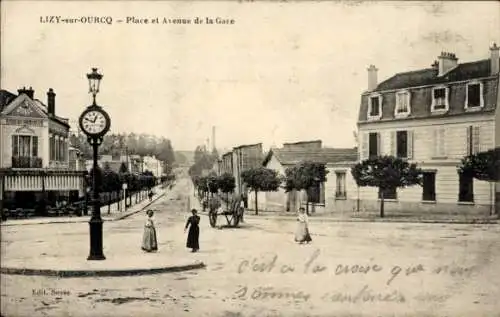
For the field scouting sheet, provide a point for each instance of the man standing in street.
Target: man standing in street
(242, 208)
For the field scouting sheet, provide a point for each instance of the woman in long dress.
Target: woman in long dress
(149, 242)
(194, 231)
(302, 234)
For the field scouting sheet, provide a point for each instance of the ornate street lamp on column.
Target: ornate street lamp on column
(95, 123)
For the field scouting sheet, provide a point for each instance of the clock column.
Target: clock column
(95, 223)
(95, 134)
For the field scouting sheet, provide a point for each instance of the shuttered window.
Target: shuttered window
(402, 103)
(402, 144)
(374, 144)
(439, 99)
(340, 188)
(375, 107)
(439, 142)
(473, 141)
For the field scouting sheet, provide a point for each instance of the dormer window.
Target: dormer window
(474, 95)
(402, 104)
(375, 106)
(439, 99)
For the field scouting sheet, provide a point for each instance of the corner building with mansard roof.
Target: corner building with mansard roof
(37, 165)
(434, 117)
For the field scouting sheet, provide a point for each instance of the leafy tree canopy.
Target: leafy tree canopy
(261, 179)
(131, 144)
(227, 183)
(386, 172)
(484, 166)
(305, 175)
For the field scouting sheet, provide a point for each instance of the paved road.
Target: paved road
(350, 269)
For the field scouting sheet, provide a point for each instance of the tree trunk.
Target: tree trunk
(492, 193)
(117, 197)
(382, 204)
(256, 203)
(109, 203)
(307, 203)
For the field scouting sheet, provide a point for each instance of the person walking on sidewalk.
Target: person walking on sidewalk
(194, 231)
(242, 207)
(302, 233)
(150, 195)
(149, 241)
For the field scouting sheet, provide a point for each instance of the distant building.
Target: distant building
(226, 164)
(34, 155)
(132, 162)
(153, 165)
(245, 157)
(337, 195)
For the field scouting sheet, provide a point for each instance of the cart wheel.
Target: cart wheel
(235, 219)
(212, 216)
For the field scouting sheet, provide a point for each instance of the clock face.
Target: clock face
(94, 122)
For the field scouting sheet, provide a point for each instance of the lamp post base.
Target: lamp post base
(96, 252)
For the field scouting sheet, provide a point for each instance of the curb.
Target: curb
(386, 220)
(373, 220)
(86, 220)
(100, 273)
(139, 210)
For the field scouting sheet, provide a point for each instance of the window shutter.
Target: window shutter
(322, 193)
(468, 141)
(393, 143)
(364, 145)
(408, 99)
(15, 145)
(442, 143)
(476, 140)
(436, 142)
(379, 150)
(410, 144)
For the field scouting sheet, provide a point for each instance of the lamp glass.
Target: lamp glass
(94, 81)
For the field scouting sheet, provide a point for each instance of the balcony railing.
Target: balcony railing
(26, 162)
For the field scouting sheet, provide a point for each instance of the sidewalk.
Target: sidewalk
(114, 214)
(375, 217)
(62, 251)
(362, 216)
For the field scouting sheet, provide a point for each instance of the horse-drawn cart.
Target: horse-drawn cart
(232, 213)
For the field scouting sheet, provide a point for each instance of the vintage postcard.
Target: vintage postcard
(250, 158)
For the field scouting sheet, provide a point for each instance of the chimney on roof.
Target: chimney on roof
(447, 61)
(372, 77)
(435, 65)
(494, 59)
(51, 102)
(28, 92)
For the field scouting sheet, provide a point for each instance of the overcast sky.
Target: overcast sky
(284, 72)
